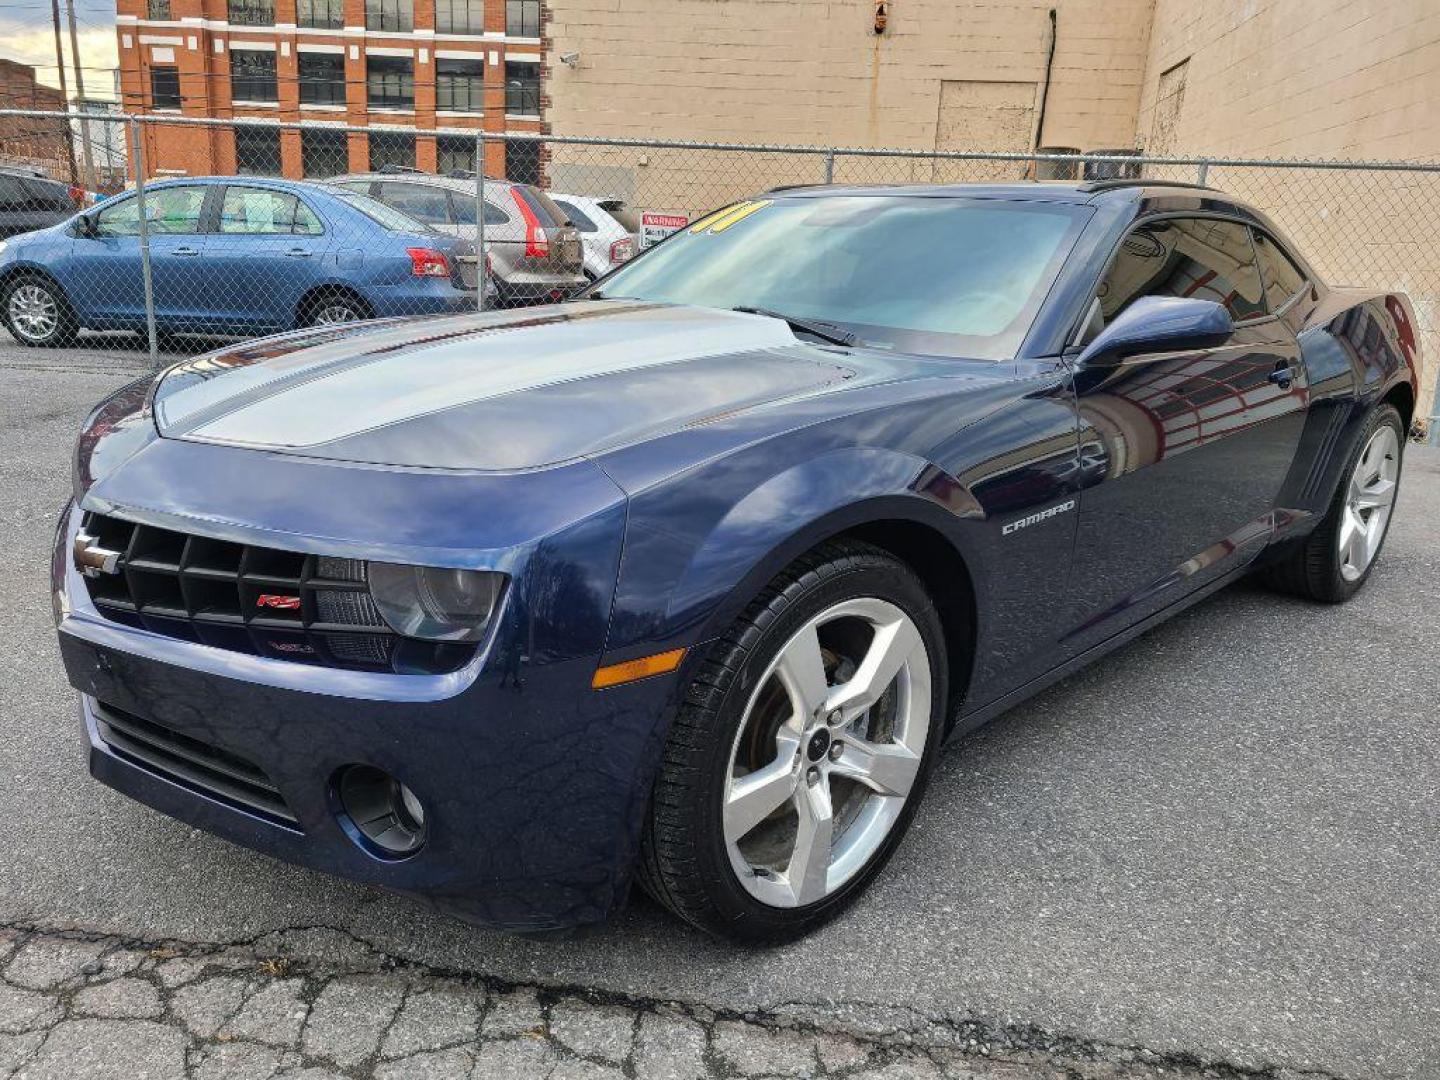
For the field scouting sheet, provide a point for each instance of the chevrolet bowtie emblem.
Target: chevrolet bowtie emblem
(92, 559)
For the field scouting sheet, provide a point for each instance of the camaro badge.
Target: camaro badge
(1042, 515)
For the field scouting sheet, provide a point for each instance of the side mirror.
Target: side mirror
(1159, 324)
(85, 226)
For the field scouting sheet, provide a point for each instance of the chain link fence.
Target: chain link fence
(546, 214)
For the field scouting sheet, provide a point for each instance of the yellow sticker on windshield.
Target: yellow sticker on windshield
(739, 215)
(723, 219)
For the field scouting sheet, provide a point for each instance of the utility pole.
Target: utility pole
(90, 178)
(64, 94)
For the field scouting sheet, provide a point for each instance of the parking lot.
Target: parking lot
(1217, 847)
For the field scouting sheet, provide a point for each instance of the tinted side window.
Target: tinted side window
(578, 219)
(465, 212)
(430, 205)
(1198, 257)
(1283, 279)
(13, 197)
(47, 196)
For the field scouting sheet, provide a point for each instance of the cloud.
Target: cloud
(35, 45)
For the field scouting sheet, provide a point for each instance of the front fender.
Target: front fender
(742, 523)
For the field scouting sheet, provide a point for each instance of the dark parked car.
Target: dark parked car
(231, 256)
(30, 201)
(688, 582)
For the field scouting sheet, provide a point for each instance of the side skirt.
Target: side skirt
(968, 722)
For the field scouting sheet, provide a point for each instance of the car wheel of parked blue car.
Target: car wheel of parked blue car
(801, 750)
(37, 313)
(333, 308)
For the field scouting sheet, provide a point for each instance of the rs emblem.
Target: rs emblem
(92, 558)
(278, 602)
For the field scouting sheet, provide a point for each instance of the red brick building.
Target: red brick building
(42, 143)
(426, 64)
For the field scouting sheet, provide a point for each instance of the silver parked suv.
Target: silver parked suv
(534, 252)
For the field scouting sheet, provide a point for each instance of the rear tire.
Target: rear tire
(782, 712)
(1333, 562)
(334, 309)
(37, 314)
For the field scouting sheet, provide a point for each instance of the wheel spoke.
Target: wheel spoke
(892, 645)
(755, 797)
(886, 768)
(1379, 493)
(809, 864)
(801, 670)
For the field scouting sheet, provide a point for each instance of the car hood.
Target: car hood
(507, 391)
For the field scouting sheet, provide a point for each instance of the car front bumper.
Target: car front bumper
(534, 785)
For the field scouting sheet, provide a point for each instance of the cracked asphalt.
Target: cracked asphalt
(1212, 853)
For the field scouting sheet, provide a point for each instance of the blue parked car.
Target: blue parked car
(230, 256)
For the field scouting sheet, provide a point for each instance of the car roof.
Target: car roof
(1089, 192)
(420, 178)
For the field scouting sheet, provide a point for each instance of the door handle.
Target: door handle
(1282, 376)
(298, 253)
(185, 251)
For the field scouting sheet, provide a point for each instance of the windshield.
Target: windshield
(387, 217)
(936, 275)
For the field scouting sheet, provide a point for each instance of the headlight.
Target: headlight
(436, 603)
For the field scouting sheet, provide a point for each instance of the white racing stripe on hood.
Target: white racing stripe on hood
(344, 399)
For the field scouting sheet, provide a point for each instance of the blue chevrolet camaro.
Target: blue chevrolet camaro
(686, 582)
(230, 256)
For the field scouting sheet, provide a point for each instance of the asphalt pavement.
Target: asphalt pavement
(1216, 847)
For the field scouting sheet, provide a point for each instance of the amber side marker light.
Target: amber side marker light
(631, 670)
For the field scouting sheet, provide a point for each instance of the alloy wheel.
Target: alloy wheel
(1368, 502)
(335, 313)
(828, 751)
(34, 312)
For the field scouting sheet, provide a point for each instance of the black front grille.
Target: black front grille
(285, 605)
(194, 763)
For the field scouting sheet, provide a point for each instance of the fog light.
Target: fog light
(387, 816)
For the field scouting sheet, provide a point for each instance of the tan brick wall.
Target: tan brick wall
(1300, 78)
(814, 71)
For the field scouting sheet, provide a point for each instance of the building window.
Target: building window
(522, 161)
(320, 14)
(164, 88)
(390, 15)
(322, 78)
(460, 85)
(252, 76)
(522, 88)
(454, 153)
(157, 9)
(324, 153)
(251, 12)
(391, 151)
(390, 82)
(522, 18)
(257, 151)
(460, 16)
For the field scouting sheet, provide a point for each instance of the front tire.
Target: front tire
(1335, 560)
(37, 314)
(801, 750)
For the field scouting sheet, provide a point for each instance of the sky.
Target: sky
(26, 36)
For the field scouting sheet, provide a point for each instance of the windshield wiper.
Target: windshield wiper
(823, 330)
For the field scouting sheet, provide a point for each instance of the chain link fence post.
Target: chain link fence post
(483, 277)
(1202, 172)
(137, 138)
(830, 166)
